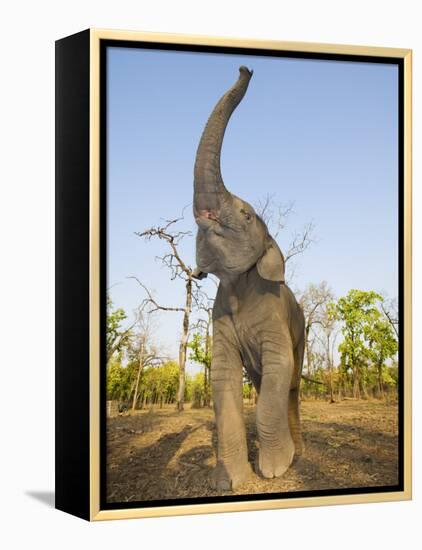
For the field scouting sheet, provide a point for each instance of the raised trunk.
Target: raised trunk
(209, 189)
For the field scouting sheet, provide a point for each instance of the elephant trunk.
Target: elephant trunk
(209, 189)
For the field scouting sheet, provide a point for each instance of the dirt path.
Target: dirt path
(163, 454)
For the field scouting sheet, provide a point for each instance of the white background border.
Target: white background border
(27, 290)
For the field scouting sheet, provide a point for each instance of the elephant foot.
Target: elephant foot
(226, 478)
(274, 462)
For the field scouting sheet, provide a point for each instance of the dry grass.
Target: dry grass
(163, 454)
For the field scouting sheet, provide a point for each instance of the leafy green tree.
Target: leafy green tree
(159, 384)
(390, 375)
(114, 378)
(198, 393)
(188, 388)
(119, 379)
(382, 347)
(358, 311)
(247, 390)
(116, 336)
(201, 353)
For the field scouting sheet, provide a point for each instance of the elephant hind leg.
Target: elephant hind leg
(294, 404)
(294, 421)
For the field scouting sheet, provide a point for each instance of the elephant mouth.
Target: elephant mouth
(208, 219)
(206, 214)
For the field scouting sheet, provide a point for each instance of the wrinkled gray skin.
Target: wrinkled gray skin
(257, 322)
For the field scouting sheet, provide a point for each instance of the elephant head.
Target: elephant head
(231, 238)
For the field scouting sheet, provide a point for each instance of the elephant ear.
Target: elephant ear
(271, 265)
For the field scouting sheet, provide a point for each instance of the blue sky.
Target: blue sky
(320, 134)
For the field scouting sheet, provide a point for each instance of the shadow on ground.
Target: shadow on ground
(348, 444)
(45, 497)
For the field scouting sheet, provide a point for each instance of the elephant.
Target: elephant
(257, 322)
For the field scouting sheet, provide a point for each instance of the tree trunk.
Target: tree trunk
(205, 386)
(183, 346)
(308, 354)
(330, 370)
(308, 351)
(380, 383)
(207, 371)
(138, 377)
(364, 389)
(182, 366)
(356, 382)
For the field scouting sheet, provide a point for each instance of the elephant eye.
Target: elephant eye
(247, 215)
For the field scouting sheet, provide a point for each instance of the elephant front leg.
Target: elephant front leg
(232, 467)
(276, 446)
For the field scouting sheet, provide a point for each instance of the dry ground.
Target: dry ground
(162, 454)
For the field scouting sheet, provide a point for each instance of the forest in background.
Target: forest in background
(351, 342)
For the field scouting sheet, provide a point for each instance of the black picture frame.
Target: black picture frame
(81, 76)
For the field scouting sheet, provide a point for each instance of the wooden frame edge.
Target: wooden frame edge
(407, 271)
(96, 514)
(249, 506)
(205, 40)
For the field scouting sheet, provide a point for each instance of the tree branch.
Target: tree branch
(313, 381)
(151, 300)
(393, 322)
(173, 239)
(301, 242)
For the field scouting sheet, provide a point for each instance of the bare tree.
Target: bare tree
(301, 241)
(277, 217)
(390, 309)
(327, 336)
(313, 301)
(143, 351)
(178, 269)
